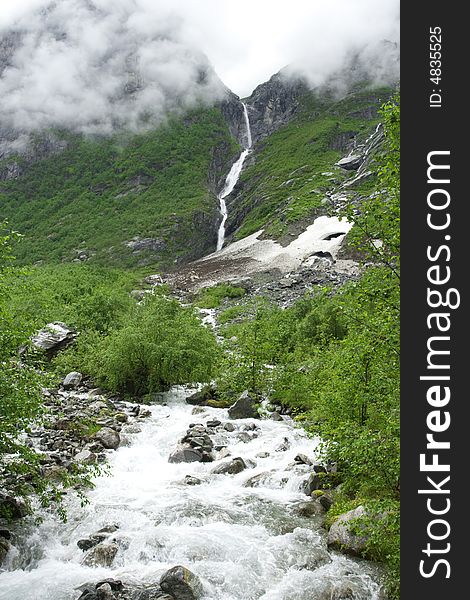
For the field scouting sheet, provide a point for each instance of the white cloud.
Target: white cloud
(155, 50)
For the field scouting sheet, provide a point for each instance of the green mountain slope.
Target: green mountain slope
(151, 199)
(147, 199)
(291, 176)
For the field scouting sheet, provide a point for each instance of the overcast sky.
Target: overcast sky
(249, 40)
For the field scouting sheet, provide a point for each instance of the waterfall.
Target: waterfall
(231, 180)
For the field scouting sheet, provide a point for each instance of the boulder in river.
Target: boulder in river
(4, 548)
(101, 555)
(185, 453)
(105, 592)
(182, 584)
(232, 467)
(86, 457)
(190, 480)
(311, 484)
(244, 407)
(341, 537)
(109, 438)
(312, 508)
(201, 397)
(302, 459)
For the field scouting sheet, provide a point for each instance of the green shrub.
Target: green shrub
(162, 344)
(211, 297)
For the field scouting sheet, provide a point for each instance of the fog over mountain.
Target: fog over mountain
(92, 66)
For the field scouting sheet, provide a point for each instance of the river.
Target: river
(245, 542)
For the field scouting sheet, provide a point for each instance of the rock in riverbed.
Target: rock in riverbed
(244, 408)
(72, 380)
(109, 438)
(341, 536)
(182, 584)
(101, 555)
(237, 465)
(53, 338)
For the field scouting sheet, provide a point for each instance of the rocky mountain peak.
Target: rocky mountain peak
(273, 103)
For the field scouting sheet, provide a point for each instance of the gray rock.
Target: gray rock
(244, 408)
(89, 595)
(202, 396)
(312, 508)
(101, 555)
(104, 592)
(232, 467)
(311, 484)
(91, 541)
(326, 501)
(229, 427)
(340, 536)
(302, 459)
(86, 457)
(182, 584)
(351, 163)
(54, 337)
(263, 455)
(275, 416)
(111, 528)
(150, 244)
(190, 480)
(109, 438)
(185, 453)
(72, 380)
(4, 549)
(256, 480)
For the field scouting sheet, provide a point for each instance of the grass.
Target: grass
(212, 297)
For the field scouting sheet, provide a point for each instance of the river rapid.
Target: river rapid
(243, 537)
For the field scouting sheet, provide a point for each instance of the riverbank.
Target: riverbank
(245, 532)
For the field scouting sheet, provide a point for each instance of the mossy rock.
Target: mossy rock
(218, 403)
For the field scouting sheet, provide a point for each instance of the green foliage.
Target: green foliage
(230, 314)
(21, 382)
(87, 298)
(161, 344)
(294, 168)
(99, 193)
(382, 524)
(212, 297)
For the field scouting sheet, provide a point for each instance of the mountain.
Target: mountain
(126, 167)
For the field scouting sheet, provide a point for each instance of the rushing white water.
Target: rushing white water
(245, 543)
(231, 180)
